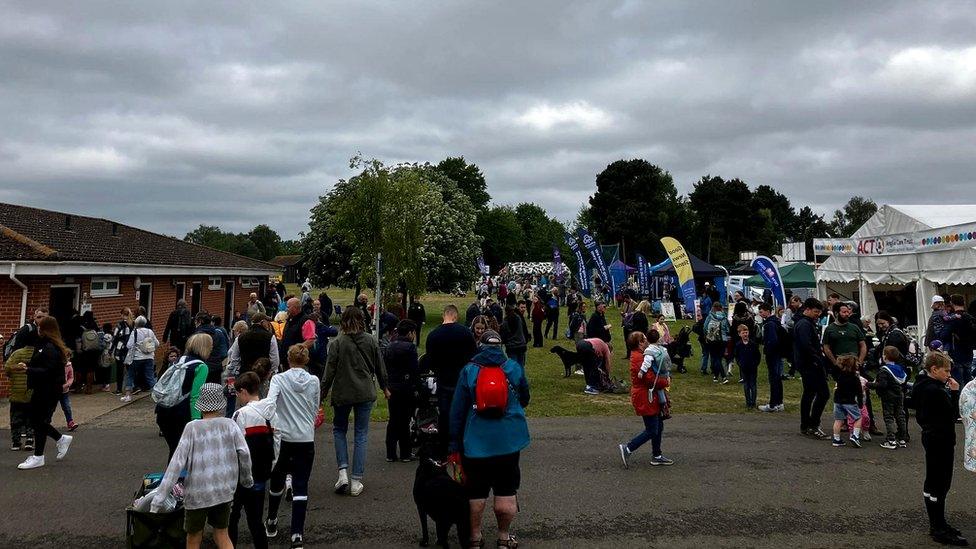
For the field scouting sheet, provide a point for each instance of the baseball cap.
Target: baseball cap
(211, 398)
(937, 299)
(491, 337)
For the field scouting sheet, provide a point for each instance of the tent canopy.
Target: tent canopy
(954, 266)
(702, 268)
(620, 266)
(794, 275)
(523, 268)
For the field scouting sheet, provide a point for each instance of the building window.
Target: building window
(102, 286)
(213, 283)
(249, 282)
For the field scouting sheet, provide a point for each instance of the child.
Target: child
(865, 416)
(106, 360)
(172, 357)
(847, 399)
(890, 388)
(656, 362)
(747, 356)
(69, 379)
(937, 417)
(254, 418)
(262, 367)
(215, 457)
(294, 396)
(20, 397)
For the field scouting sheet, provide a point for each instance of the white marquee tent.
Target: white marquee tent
(877, 269)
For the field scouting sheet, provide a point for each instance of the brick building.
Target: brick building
(73, 263)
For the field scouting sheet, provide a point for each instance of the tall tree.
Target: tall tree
(723, 218)
(468, 178)
(540, 232)
(636, 203)
(266, 240)
(505, 241)
(854, 214)
(807, 226)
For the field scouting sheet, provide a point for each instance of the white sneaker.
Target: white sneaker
(126, 398)
(343, 483)
(779, 408)
(32, 462)
(63, 443)
(355, 488)
(766, 408)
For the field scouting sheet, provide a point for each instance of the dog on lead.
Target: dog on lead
(569, 358)
(439, 497)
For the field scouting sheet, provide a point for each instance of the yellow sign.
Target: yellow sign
(682, 267)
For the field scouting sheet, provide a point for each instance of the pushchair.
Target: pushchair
(680, 349)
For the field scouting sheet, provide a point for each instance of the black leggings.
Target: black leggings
(42, 409)
(295, 458)
(938, 478)
(552, 323)
(536, 333)
(172, 429)
(398, 428)
(252, 501)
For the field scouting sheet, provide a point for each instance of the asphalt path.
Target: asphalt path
(746, 480)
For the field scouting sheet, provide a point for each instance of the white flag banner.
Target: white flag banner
(946, 238)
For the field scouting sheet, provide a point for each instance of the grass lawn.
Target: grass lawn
(553, 395)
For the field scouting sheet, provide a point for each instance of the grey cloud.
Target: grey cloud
(175, 114)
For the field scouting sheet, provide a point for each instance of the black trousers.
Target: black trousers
(815, 396)
(42, 408)
(401, 405)
(295, 458)
(251, 500)
(589, 361)
(536, 333)
(552, 322)
(938, 478)
(172, 429)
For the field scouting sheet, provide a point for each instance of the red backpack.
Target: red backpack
(491, 391)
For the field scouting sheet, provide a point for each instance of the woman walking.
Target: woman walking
(45, 376)
(89, 349)
(538, 316)
(646, 386)
(352, 364)
(172, 420)
(400, 358)
(120, 346)
(513, 335)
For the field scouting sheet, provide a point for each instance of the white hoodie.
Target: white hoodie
(258, 413)
(294, 398)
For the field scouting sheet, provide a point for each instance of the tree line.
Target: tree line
(430, 222)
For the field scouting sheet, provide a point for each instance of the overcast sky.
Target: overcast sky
(167, 115)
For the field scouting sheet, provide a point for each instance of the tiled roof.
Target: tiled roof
(286, 260)
(33, 234)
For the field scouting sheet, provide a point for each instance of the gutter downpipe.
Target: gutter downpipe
(23, 297)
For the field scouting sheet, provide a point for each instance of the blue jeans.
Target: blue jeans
(653, 429)
(716, 352)
(774, 366)
(749, 374)
(66, 406)
(146, 369)
(704, 359)
(361, 429)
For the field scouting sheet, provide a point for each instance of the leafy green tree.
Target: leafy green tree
(636, 203)
(720, 208)
(855, 213)
(807, 226)
(266, 241)
(327, 258)
(503, 237)
(468, 178)
(212, 237)
(539, 233)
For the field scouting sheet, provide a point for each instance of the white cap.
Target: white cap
(937, 299)
(707, 284)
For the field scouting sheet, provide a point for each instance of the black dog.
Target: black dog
(437, 495)
(569, 358)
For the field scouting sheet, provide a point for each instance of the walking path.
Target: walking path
(745, 480)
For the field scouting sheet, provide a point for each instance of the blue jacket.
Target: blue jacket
(220, 344)
(771, 338)
(481, 437)
(747, 354)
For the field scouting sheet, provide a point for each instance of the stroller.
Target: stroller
(423, 424)
(680, 349)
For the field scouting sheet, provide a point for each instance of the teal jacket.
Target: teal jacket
(480, 437)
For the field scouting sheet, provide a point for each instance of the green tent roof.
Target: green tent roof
(795, 275)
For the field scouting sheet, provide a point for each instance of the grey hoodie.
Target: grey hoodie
(294, 398)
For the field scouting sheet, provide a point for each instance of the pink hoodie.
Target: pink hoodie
(69, 377)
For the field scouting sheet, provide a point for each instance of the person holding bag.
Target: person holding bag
(120, 346)
(140, 359)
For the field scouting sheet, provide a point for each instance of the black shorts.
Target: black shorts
(497, 474)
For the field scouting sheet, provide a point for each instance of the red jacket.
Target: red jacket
(639, 387)
(538, 312)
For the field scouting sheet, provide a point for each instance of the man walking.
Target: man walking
(179, 326)
(257, 342)
(959, 336)
(254, 307)
(215, 363)
(598, 326)
(298, 329)
(490, 434)
(449, 348)
(936, 321)
(418, 315)
(808, 353)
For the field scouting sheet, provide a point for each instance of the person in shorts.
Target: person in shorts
(848, 399)
(214, 455)
(488, 444)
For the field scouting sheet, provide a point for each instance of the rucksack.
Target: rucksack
(91, 341)
(713, 330)
(146, 346)
(491, 391)
(168, 391)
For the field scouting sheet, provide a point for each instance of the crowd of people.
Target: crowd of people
(261, 390)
